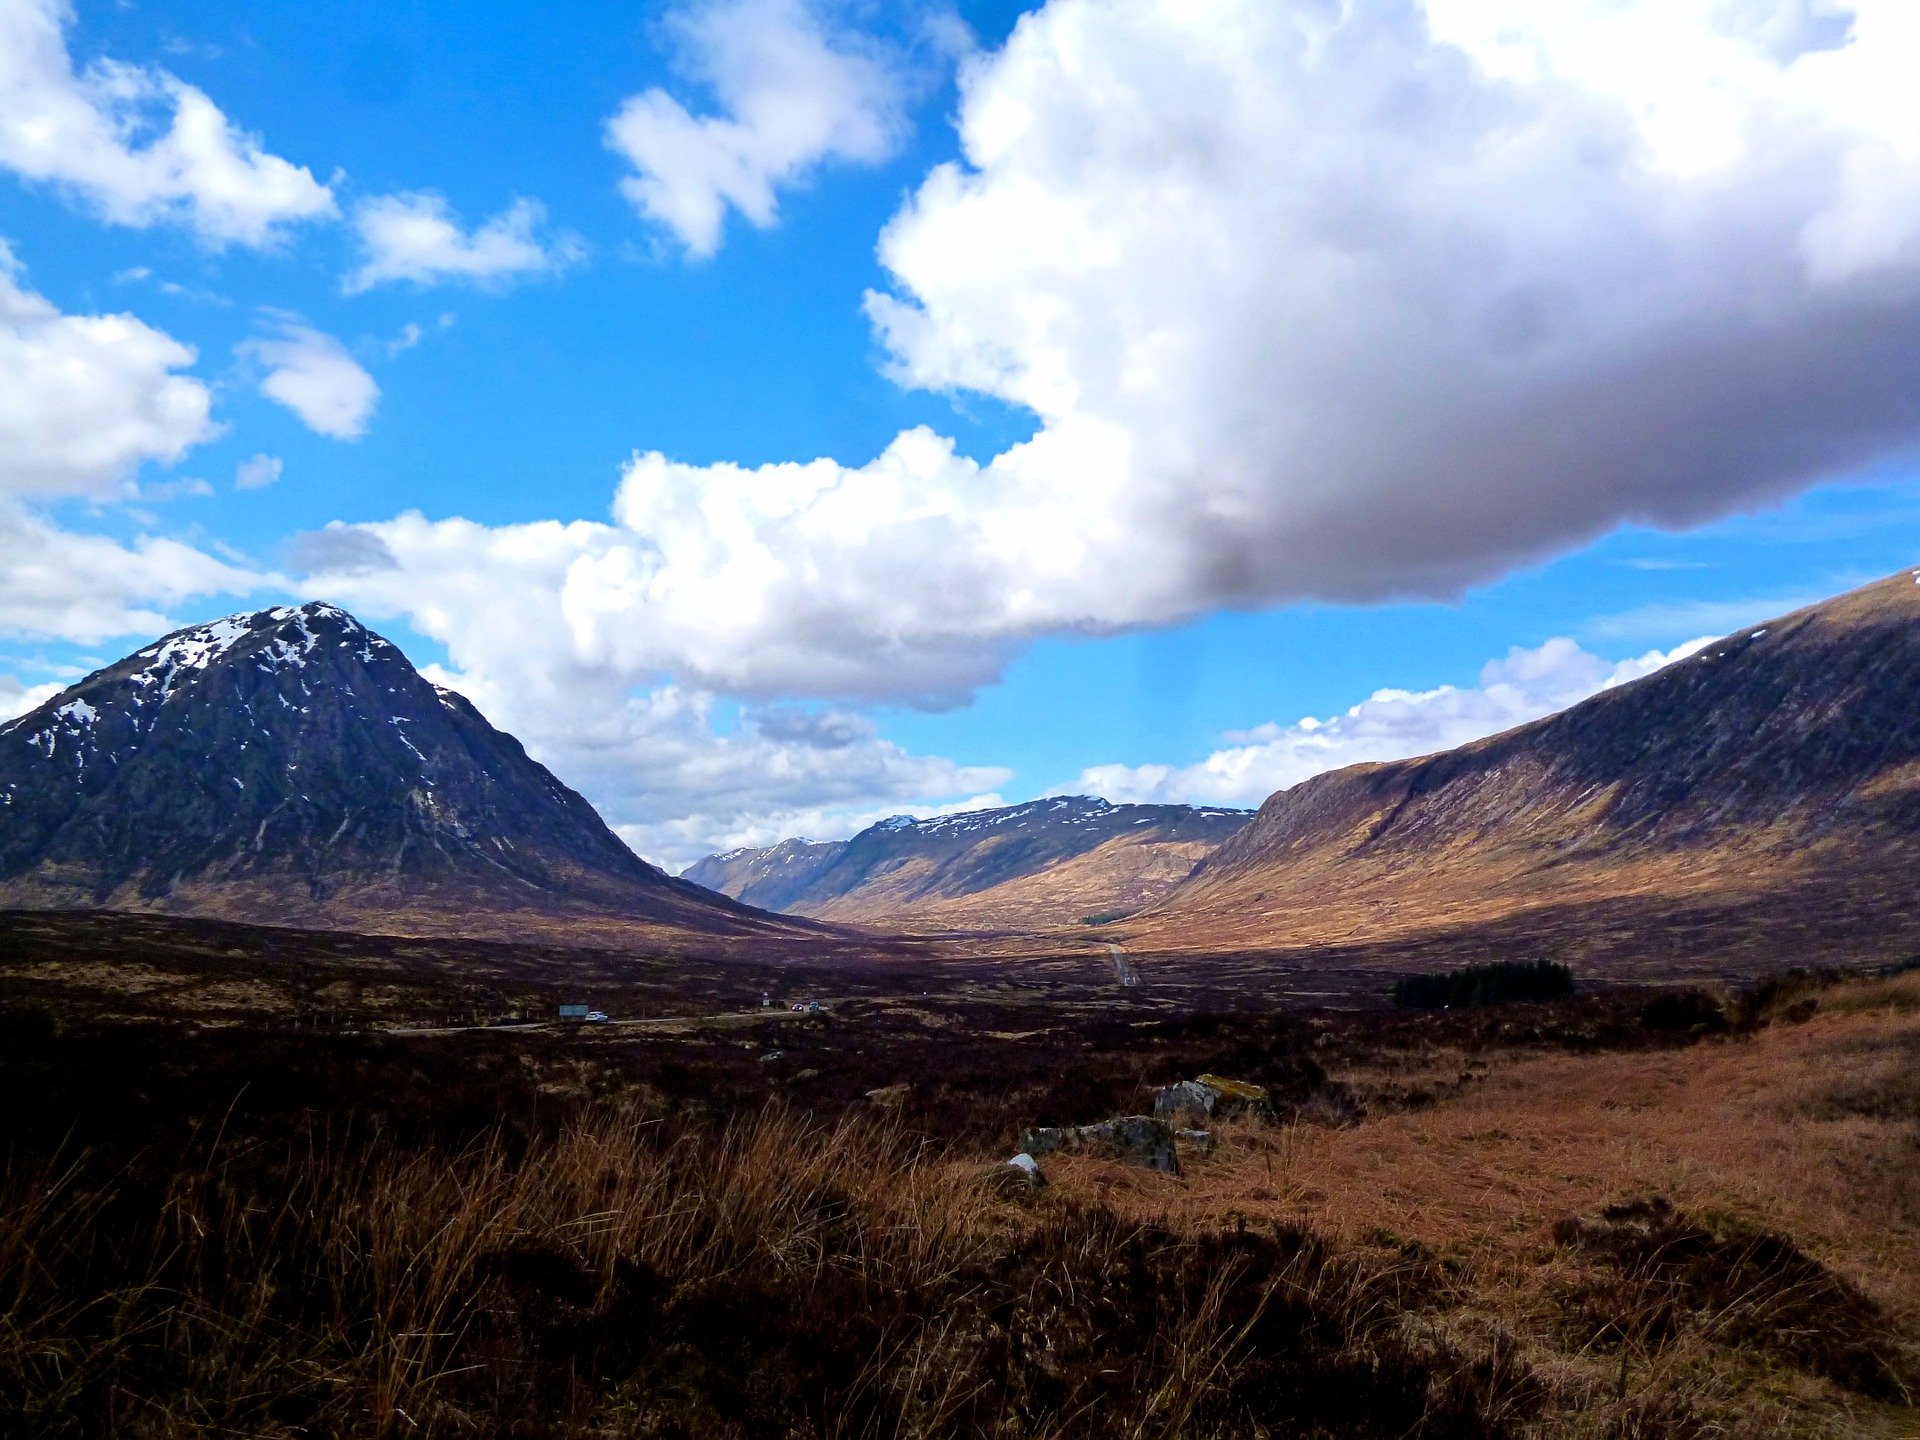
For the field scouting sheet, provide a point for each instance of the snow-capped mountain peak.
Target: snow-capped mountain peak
(287, 753)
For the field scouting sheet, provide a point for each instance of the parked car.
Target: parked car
(596, 1017)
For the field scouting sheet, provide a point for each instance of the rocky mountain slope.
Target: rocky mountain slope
(1051, 862)
(1784, 753)
(292, 767)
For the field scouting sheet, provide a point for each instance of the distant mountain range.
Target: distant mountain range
(1057, 861)
(1786, 753)
(292, 767)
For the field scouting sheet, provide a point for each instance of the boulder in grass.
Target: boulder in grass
(1200, 1102)
(1200, 1141)
(1133, 1139)
(1014, 1178)
(1237, 1096)
(1185, 1102)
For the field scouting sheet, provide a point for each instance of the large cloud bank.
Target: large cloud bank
(86, 399)
(1348, 301)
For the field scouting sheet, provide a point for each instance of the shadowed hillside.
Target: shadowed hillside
(1787, 751)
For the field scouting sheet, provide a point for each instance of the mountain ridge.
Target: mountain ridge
(1778, 750)
(1052, 861)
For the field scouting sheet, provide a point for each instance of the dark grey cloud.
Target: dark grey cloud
(339, 549)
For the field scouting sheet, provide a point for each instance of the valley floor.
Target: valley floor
(244, 1193)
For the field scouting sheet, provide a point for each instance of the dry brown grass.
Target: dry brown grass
(1448, 1270)
(1807, 1130)
(1899, 994)
(777, 1278)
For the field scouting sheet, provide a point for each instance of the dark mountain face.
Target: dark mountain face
(289, 759)
(778, 877)
(902, 866)
(1791, 744)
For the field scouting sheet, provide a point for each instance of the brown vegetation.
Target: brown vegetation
(1721, 1238)
(1679, 1211)
(1122, 875)
(779, 1278)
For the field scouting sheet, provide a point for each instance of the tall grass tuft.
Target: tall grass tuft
(777, 1277)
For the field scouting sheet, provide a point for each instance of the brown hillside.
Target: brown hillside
(1785, 752)
(1119, 876)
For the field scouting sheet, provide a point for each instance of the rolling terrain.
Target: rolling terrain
(290, 767)
(1064, 860)
(1779, 765)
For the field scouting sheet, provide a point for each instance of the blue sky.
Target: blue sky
(1180, 371)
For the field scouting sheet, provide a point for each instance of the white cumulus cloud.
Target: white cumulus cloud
(138, 145)
(795, 95)
(311, 373)
(1388, 725)
(258, 472)
(61, 585)
(417, 238)
(1343, 302)
(86, 399)
(17, 697)
(660, 771)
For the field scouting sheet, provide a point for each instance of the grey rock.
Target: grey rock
(1200, 1140)
(1198, 1103)
(1014, 1178)
(1134, 1139)
(1185, 1102)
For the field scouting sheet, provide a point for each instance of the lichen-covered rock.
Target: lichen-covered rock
(1198, 1103)
(1133, 1139)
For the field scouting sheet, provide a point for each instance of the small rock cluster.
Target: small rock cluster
(1211, 1098)
(1183, 1114)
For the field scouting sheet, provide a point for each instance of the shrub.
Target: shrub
(1493, 984)
(1736, 1284)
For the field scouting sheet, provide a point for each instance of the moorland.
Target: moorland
(275, 1182)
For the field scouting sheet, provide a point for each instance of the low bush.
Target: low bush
(1736, 1285)
(1492, 984)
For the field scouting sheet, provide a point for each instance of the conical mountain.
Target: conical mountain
(292, 766)
(1783, 754)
